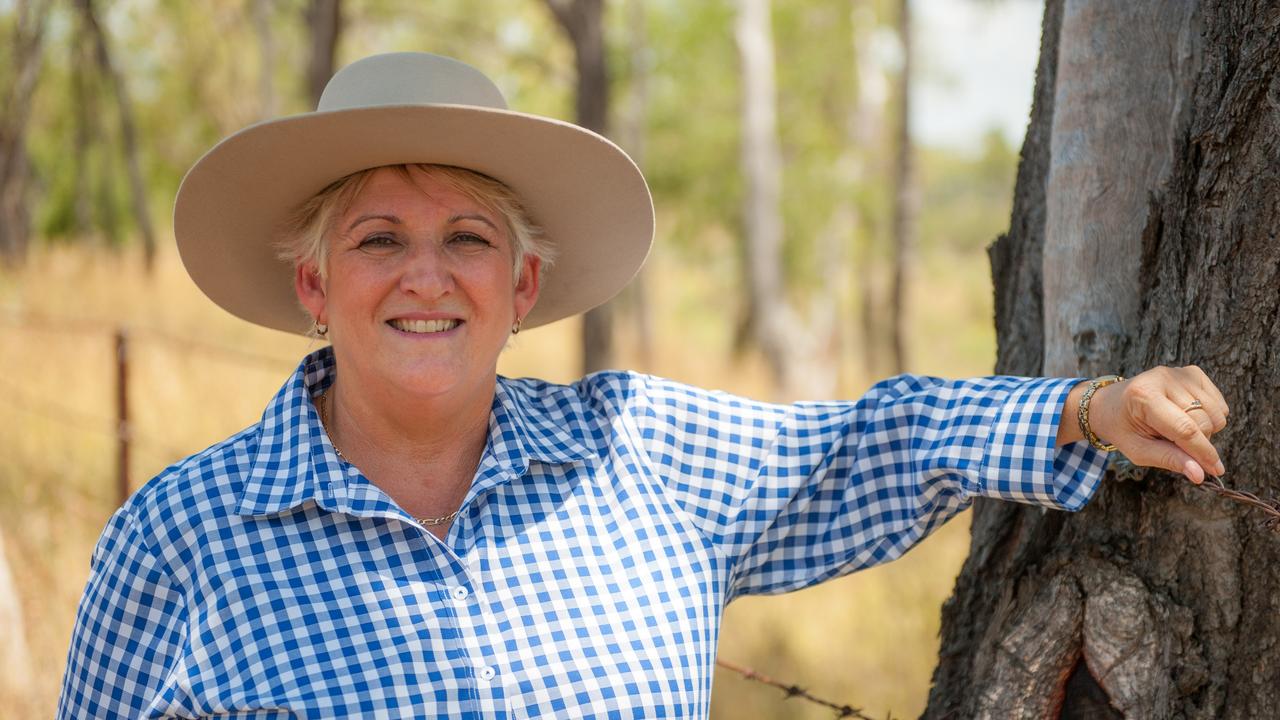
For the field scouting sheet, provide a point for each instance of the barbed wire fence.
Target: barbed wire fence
(119, 428)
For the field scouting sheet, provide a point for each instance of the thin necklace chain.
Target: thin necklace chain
(323, 404)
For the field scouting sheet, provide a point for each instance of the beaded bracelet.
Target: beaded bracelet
(1083, 413)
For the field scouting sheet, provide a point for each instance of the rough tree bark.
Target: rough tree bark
(583, 23)
(1149, 167)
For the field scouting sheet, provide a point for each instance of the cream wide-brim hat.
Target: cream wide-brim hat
(587, 195)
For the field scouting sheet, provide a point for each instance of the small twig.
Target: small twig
(795, 691)
(1270, 507)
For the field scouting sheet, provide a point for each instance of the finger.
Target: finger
(1203, 419)
(1171, 423)
(1182, 392)
(1164, 454)
(1215, 404)
(1208, 418)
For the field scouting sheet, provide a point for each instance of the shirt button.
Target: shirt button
(460, 593)
(487, 673)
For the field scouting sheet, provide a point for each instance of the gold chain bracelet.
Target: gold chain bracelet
(1083, 413)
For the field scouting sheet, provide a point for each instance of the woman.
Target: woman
(406, 534)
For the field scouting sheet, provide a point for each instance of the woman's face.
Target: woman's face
(419, 295)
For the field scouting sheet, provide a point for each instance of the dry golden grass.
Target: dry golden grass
(868, 640)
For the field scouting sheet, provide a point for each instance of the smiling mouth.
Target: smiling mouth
(424, 326)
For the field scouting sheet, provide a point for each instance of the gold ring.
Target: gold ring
(1195, 405)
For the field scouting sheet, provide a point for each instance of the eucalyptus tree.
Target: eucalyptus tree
(108, 68)
(769, 319)
(24, 57)
(324, 25)
(583, 23)
(1143, 233)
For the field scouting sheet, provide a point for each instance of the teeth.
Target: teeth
(424, 326)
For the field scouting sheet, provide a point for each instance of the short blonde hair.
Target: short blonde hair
(307, 230)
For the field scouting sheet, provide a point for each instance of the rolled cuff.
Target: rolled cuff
(1022, 461)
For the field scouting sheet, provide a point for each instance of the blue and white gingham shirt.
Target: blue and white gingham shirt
(608, 524)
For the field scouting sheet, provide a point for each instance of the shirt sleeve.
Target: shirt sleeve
(128, 628)
(797, 494)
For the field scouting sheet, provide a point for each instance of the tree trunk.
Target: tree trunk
(1144, 226)
(583, 23)
(324, 23)
(864, 132)
(128, 135)
(768, 320)
(26, 48)
(84, 103)
(904, 197)
(631, 136)
(14, 657)
(262, 13)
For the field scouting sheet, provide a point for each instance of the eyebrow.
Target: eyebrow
(397, 221)
(473, 216)
(375, 216)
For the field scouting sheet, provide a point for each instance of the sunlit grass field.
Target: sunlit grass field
(869, 640)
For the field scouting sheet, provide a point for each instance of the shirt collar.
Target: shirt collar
(295, 461)
(537, 421)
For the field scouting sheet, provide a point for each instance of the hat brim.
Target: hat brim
(588, 196)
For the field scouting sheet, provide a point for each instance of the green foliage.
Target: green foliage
(693, 134)
(815, 75)
(70, 100)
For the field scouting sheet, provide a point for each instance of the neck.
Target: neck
(423, 452)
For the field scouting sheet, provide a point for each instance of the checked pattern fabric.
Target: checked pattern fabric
(608, 524)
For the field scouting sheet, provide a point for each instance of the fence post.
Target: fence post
(122, 413)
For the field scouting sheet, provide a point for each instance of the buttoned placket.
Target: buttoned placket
(462, 591)
(457, 592)
(458, 596)
(453, 588)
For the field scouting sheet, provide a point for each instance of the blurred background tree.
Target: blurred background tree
(25, 25)
(106, 104)
(583, 24)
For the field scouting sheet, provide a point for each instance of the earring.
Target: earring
(515, 328)
(321, 329)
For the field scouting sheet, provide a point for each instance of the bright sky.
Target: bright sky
(976, 63)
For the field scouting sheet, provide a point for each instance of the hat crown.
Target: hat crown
(409, 78)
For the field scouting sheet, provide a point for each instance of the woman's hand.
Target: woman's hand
(1154, 420)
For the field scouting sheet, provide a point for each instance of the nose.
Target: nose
(427, 272)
